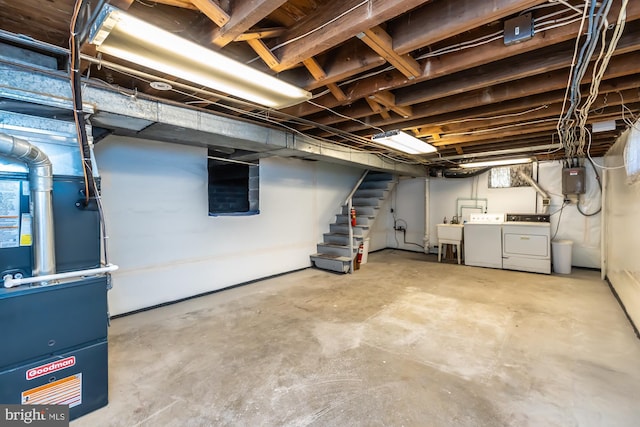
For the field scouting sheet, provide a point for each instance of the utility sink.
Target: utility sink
(450, 231)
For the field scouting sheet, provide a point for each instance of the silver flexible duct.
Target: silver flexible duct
(546, 199)
(41, 186)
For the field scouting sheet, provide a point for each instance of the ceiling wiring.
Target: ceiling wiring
(345, 116)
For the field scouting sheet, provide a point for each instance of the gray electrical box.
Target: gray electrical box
(518, 29)
(573, 181)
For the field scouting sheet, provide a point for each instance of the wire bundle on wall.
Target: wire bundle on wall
(84, 13)
(572, 123)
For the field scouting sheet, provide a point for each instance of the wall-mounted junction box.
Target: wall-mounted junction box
(518, 29)
(573, 181)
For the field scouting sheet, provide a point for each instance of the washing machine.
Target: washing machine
(483, 240)
(526, 243)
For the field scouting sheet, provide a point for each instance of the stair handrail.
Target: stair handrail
(349, 203)
(355, 188)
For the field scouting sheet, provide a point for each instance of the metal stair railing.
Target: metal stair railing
(349, 203)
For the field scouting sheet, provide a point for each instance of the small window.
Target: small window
(233, 187)
(509, 176)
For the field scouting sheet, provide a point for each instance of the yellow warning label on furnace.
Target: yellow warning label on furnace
(25, 230)
(67, 391)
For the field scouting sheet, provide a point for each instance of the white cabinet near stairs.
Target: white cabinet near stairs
(334, 252)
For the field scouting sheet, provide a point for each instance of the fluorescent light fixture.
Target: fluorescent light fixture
(121, 35)
(500, 162)
(404, 142)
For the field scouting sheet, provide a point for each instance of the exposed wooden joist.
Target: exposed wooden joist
(466, 117)
(263, 51)
(426, 25)
(378, 40)
(501, 72)
(458, 61)
(361, 17)
(265, 33)
(213, 11)
(314, 68)
(519, 131)
(623, 65)
(388, 100)
(245, 14)
(185, 4)
(376, 108)
(336, 92)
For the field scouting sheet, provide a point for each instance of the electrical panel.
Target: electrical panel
(573, 181)
(518, 29)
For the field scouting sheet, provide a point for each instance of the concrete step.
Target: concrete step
(380, 193)
(366, 185)
(333, 249)
(362, 210)
(366, 201)
(344, 229)
(378, 176)
(328, 262)
(340, 239)
(364, 220)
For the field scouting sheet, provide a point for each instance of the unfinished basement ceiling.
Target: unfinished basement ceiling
(438, 69)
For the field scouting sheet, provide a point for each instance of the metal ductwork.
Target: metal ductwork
(546, 199)
(41, 186)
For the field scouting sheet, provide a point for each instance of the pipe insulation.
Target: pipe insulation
(41, 186)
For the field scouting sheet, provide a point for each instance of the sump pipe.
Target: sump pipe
(41, 186)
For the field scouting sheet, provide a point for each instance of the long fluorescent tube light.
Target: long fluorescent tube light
(404, 142)
(500, 162)
(121, 35)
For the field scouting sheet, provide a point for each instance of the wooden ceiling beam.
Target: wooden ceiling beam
(244, 15)
(184, 4)
(357, 17)
(501, 72)
(337, 92)
(263, 51)
(454, 62)
(377, 108)
(620, 66)
(314, 68)
(264, 33)
(213, 11)
(425, 26)
(381, 43)
(389, 100)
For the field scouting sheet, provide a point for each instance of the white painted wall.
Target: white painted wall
(408, 202)
(622, 235)
(168, 248)
(583, 231)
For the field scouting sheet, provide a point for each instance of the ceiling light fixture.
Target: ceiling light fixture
(500, 162)
(121, 35)
(404, 142)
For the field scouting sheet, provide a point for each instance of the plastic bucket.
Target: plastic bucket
(561, 252)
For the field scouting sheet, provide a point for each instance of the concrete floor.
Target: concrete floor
(404, 342)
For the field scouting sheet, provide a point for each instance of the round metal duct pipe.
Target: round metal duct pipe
(41, 186)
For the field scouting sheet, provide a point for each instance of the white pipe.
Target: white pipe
(10, 282)
(427, 222)
(546, 199)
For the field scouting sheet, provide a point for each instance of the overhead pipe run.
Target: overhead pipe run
(41, 186)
